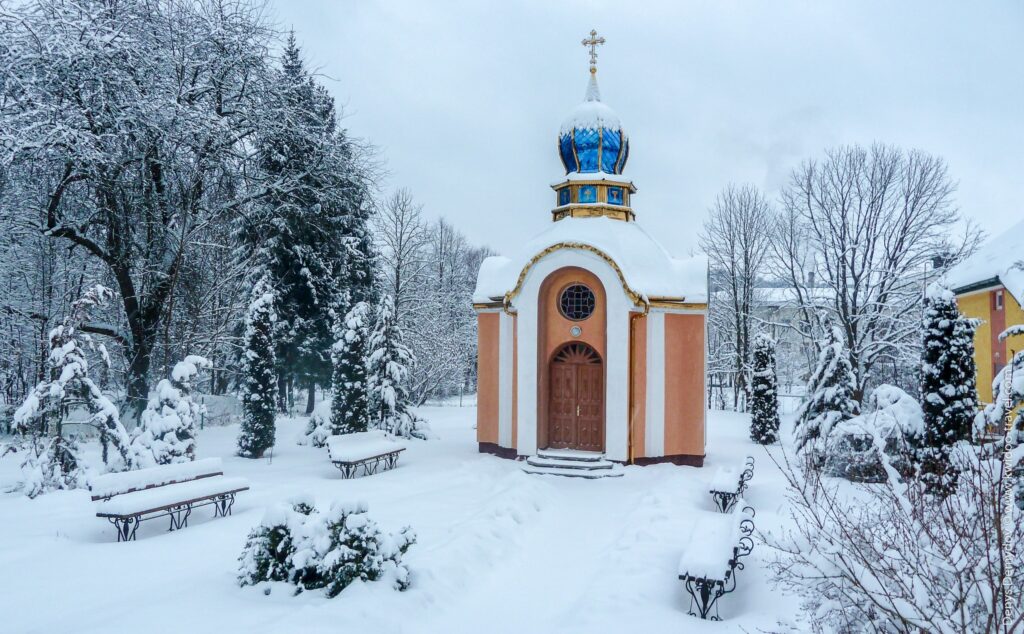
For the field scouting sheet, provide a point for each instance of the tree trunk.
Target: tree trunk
(282, 394)
(311, 398)
(138, 382)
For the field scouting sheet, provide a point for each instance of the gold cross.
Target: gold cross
(593, 41)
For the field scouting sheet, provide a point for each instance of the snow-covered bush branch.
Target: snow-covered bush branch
(893, 558)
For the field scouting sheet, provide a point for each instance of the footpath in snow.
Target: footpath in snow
(498, 550)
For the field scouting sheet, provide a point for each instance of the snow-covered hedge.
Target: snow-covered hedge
(314, 549)
(895, 417)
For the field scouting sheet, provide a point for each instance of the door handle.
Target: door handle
(577, 410)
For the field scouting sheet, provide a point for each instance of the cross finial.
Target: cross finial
(593, 42)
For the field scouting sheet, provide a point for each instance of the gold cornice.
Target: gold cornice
(593, 210)
(665, 302)
(486, 305)
(635, 297)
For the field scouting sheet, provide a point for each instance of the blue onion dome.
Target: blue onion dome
(591, 138)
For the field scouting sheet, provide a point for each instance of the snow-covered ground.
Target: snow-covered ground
(498, 550)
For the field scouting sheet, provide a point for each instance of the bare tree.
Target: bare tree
(736, 239)
(403, 236)
(140, 119)
(866, 223)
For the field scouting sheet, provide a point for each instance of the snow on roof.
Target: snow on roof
(1001, 257)
(592, 113)
(646, 266)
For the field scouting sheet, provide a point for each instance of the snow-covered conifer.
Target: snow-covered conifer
(764, 410)
(167, 428)
(350, 399)
(387, 369)
(948, 389)
(323, 549)
(830, 398)
(260, 376)
(53, 462)
(307, 239)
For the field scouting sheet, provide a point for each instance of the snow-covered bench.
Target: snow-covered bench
(709, 563)
(371, 451)
(728, 484)
(128, 498)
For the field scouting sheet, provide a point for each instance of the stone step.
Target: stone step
(541, 460)
(590, 474)
(571, 454)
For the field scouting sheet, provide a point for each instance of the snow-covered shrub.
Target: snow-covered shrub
(387, 371)
(50, 464)
(764, 407)
(350, 397)
(319, 426)
(328, 550)
(256, 434)
(894, 418)
(70, 391)
(167, 428)
(830, 398)
(893, 558)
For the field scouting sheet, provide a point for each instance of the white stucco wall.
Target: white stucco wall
(526, 305)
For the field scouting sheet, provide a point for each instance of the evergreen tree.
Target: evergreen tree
(259, 382)
(53, 463)
(764, 411)
(387, 369)
(350, 402)
(830, 398)
(948, 389)
(167, 428)
(309, 239)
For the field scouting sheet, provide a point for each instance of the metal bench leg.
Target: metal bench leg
(706, 593)
(392, 461)
(222, 505)
(126, 527)
(724, 500)
(179, 517)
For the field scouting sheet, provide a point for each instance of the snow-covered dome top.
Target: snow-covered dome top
(592, 138)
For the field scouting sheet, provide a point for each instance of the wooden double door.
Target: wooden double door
(576, 399)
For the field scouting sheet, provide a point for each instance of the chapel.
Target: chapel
(592, 338)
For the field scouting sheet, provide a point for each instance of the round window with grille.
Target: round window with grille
(577, 302)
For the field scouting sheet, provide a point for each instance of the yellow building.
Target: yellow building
(989, 286)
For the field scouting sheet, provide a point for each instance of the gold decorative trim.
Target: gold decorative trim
(614, 212)
(635, 297)
(664, 302)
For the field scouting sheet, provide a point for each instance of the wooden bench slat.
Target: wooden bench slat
(165, 497)
(112, 484)
(368, 458)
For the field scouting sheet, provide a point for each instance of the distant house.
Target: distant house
(989, 286)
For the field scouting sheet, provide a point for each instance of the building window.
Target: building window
(588, 194)
(577, 302)
(563, 197)
(615, 195)
(999, 300)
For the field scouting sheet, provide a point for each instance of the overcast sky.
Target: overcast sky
(464, 99)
